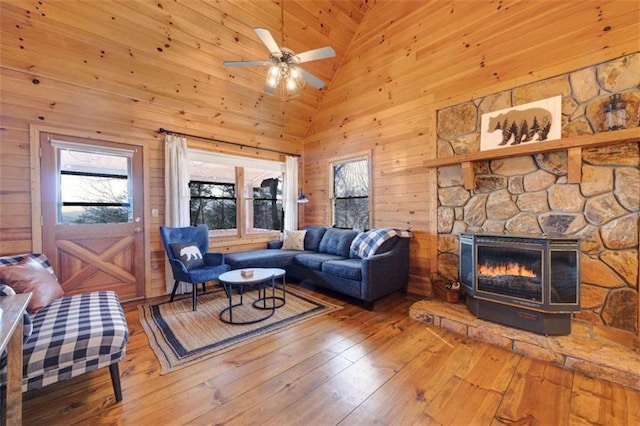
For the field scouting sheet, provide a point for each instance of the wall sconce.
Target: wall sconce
(616, 112)
(302, 198)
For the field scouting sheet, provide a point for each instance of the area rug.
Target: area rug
(180, 337)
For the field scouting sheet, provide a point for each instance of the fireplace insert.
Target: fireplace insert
(528, 282)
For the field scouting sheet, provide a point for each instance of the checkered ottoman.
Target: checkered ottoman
(73, 335)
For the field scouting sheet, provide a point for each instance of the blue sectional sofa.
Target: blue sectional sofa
(334, 259)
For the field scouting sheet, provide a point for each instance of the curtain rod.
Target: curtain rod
(171, 132)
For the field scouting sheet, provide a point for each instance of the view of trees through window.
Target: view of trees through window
(351, 194)
(215, 195)
(94, 188)
(213, 204)
(267, 205)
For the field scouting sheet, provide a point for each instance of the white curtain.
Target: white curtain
(176, 190)
(291, 193)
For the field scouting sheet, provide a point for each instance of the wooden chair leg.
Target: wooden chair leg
(115, 380)
(204, 287)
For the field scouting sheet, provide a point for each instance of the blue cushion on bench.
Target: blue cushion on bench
(62, 346)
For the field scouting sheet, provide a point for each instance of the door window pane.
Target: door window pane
(93, 188)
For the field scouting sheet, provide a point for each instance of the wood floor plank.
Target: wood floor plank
(539, 393)
(269, 398)
(596, 402)
(401, 400)
(335, 399)
(351, 366)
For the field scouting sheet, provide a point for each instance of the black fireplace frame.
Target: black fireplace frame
(543, 316)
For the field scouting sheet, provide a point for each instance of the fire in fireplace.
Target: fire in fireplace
(529, 282)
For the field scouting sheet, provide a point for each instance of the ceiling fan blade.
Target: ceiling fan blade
(246, 63)
(311, 79)
(269, 41)
(314, 55)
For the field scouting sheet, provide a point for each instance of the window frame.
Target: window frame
(235, 199)
(244, 198)
(63, 145)
(332, 197)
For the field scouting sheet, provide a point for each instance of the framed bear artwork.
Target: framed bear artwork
(528, 123)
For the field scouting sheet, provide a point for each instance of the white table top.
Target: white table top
(277, 272)
(259, 275)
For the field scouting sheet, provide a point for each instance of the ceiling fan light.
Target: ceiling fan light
(293, 91)
(272, 81)
(291, 83)
(273, 77)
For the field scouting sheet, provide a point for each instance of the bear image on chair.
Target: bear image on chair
(187, 249)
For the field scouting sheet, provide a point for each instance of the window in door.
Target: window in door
(94, 187)
(351, 193)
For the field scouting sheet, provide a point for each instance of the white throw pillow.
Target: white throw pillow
(293, 240)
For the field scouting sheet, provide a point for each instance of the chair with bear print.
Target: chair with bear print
(187, 249)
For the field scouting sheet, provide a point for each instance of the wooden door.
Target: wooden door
(92, 214)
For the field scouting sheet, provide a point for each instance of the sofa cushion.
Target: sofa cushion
(30, 276)
(265, 258)
(337, 241)
(372, 242)
(294, 240)
(313, 237)
(314, 260)
(347, 268)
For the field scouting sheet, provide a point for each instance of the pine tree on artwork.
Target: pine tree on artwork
(515, 131)
(535, 128)
(545, 131)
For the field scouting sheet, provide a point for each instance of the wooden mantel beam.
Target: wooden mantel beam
(582, 141)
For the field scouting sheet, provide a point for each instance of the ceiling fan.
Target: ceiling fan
(283, 65)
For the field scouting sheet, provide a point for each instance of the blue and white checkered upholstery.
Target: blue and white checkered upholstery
(367, 243)
(73, 335)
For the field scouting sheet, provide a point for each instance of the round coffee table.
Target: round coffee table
(261, 278)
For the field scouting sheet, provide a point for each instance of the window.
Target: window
(213, 203)
(264, 208)
(221, 183)
(351, 196)
(95, 186)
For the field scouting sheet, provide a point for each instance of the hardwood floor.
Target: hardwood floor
(350, 367)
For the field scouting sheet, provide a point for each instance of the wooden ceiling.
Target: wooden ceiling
(146, 64)
(169, 54)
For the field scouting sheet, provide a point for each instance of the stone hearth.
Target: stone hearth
(596, 351)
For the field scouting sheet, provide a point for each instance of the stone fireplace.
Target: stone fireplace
(528, 282)
(532, 194)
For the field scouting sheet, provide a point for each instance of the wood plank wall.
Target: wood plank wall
(104, 68)
(106, 116)
(409, 59)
